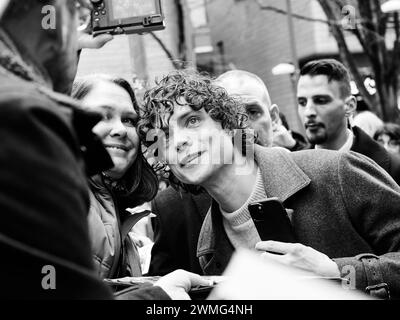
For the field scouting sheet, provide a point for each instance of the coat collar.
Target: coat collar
(282, 178)
(365, 145)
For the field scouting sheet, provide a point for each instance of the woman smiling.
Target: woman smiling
(130, 183)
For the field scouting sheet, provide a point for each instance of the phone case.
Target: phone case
(271, 221)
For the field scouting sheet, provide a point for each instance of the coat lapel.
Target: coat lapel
(282, 178)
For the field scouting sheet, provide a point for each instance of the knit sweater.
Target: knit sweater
(238, 225)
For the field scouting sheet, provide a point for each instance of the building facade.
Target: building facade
(245, 36)
(141, 59)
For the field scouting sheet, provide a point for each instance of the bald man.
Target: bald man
(263, 115)
(180, 216)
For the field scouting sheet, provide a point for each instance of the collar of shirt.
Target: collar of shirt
(347, 145)
(349, 142)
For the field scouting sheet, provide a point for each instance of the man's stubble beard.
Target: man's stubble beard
(317, 139)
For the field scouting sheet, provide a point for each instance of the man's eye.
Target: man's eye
(302, 102)
(254, 114)
(193, 121)
(321, 100)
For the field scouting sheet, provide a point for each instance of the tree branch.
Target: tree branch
(176, 63)
(344, 51)
(284, 12)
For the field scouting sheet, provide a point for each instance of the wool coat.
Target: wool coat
(344, 205)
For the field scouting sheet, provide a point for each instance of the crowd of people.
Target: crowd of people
(74, 154)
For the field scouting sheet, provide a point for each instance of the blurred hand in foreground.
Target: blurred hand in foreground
(85, 39)
(178, 283)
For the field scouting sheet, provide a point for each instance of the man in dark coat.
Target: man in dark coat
(326, 105)
(45, 140)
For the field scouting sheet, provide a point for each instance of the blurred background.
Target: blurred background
(271, 38)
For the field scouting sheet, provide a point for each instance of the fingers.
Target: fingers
(274, 257)
(89, 42)
(176, 284)
(278, 247)
(195, 279)
(102, 39)
(86, 4)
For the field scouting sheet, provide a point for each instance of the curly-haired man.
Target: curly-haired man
(343, 204)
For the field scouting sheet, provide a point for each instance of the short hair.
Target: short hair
(200, 92)
(243, 76)
(390, 129)
(140, 179)
(333, 70)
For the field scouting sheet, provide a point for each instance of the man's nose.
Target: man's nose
(181, 141)
(309, 109)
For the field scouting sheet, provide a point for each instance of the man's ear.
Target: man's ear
(350, 106)
(274, 114)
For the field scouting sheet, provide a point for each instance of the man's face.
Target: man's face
(321, 108)
(257, 105)
(197, 147)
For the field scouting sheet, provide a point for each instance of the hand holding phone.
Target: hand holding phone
(271, 220)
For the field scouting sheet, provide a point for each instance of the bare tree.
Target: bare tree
(370, 28)
(177, 61)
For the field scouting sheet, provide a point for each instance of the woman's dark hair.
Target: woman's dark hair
(140, 181)
(390, 129)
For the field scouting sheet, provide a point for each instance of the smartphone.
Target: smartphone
(272, 221)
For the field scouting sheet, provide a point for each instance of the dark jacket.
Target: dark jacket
(365, 145)
(44, 199)
(301, 142)
(44, 196)
(344, 205)
(115, 254)
(177, 227)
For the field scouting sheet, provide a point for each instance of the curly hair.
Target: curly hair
(194, 89)
(188, 87)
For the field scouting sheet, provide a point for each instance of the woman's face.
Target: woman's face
(118, 127)
(389, 144)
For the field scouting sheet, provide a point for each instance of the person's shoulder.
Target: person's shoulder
(20, 92)
(19, 95)
(395, 166)
(306, 156)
